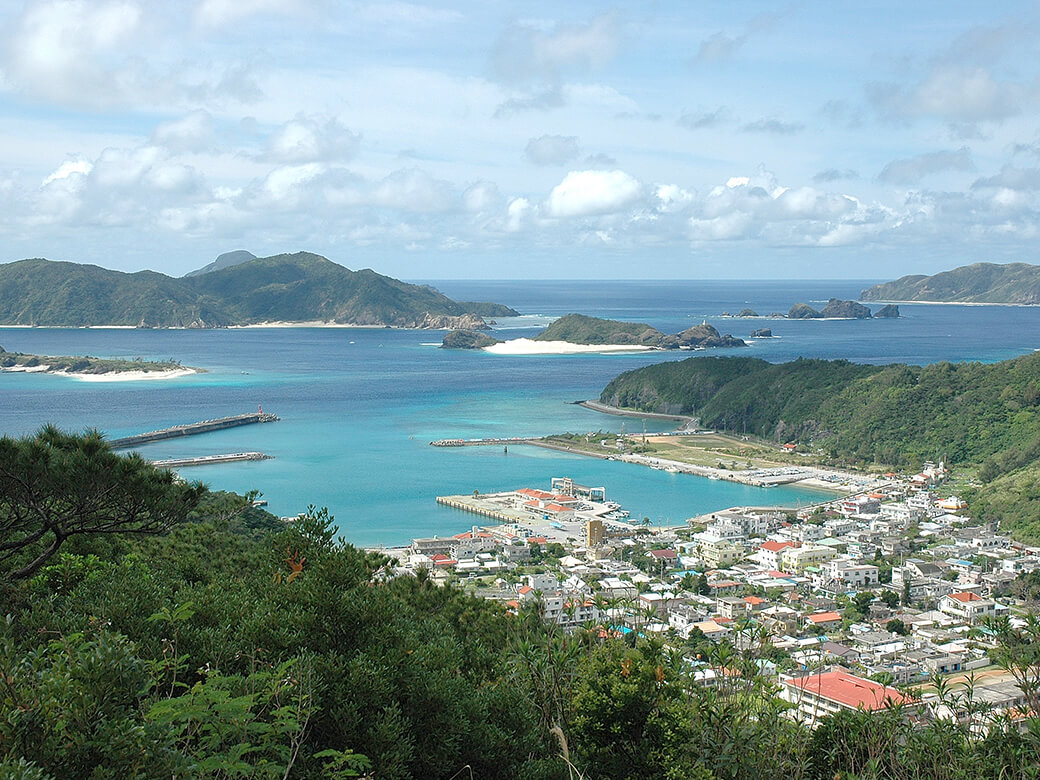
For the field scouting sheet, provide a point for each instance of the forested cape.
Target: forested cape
(976, 283)
(300, 287)
(238, 646)
(980, 415)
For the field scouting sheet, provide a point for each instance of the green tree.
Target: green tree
(890, 597)
(56, 485)
(896, 626)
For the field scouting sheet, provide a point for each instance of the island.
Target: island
(93, 368)
(301, 288)
(887, 312)
(579, 330)
(835, 309)
(468, 339)
(1010, 283)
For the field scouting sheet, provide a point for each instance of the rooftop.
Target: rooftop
(850, 691)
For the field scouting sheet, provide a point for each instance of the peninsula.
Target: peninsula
(1011, 283)
(301, 288)
(983, 417)
(93, 368)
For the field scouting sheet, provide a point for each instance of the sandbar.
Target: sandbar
(532, 347)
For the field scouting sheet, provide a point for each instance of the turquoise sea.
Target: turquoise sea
(360, 406)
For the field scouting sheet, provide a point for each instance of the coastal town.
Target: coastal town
(888, 593)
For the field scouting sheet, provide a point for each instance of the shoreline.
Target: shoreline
(108, 376)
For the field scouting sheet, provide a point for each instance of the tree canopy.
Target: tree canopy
(56, 485)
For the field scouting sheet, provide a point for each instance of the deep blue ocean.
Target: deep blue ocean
(360, 406)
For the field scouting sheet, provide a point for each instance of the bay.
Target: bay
(360, 406)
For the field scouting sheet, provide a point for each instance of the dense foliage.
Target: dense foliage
(55, 486)
(238, 646)
(581, 329)
(297, 287)
(976, 283)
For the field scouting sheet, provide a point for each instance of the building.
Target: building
(969, 607)
(720, 554)
(593, 532)
(823, 620)
(823, 693)
(796, 560)
(769, 553)
(843, 574)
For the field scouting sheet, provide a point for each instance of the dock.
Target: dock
(191, 429)
(206, 460)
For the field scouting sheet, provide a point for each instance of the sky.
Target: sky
(523, 140)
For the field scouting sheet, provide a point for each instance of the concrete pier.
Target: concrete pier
(205, 426)
(205, 460)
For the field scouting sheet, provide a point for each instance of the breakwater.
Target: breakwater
(205, 460)
(191, 429)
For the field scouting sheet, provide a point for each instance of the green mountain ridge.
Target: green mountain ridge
(300, 287)
(1017, 283)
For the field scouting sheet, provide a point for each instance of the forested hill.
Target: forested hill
(981, 415)
(977, 283)
(296, 287)
(581, 329)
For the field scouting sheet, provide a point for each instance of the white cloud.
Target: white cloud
(954, 93)
(701, 120)
(312, 139)
(414, 190)
(481, 197)
(912, 169)
(68, 169)
(551, 149)
(191, 133)
(773, 127)
(526, 53)
(1011, 178)
(404, 14)
(720, 46)
(69, 50)
(584, 193)
(673, 198)
(518, 215)
(218, 13)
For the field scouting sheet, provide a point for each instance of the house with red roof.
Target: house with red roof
(823, 620)
(823, 693)
(769, 553)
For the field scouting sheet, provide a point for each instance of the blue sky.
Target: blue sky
(506, 140)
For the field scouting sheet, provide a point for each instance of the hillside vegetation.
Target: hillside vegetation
(236, 646)
(976, 283)
(299, 287)
(581, 329)
(986, 416)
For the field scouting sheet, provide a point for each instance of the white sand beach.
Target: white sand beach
(532, 347)
(130, 376)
